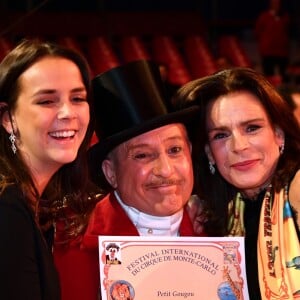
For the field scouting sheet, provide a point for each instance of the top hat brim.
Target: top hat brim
(99, 151)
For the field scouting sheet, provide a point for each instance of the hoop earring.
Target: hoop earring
(12, 139)
(212, 168)
(281, 148)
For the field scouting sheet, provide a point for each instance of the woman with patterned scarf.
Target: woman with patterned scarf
(247, 160)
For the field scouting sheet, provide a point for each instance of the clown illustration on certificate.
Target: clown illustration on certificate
(172, 268)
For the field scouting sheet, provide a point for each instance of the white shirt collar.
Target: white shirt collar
(148, 225)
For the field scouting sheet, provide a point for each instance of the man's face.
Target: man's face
(153, 171)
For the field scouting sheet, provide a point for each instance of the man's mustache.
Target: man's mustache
(161, 182)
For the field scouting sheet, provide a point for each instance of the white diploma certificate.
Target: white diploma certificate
(167, 268)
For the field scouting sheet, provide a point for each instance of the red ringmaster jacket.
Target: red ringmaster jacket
(78, 264)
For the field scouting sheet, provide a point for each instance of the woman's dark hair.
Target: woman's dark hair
(202, 91)
(286, 91)
(71, 179)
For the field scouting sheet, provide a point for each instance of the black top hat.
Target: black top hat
(129, 101)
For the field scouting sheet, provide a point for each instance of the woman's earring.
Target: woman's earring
(281, 148)
(12, 139)
(212, 168)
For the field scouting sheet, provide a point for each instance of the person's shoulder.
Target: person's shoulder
(12, 196)
(17, 218)
(295, 182)
(294, 191)
(294, 195)
(103, 207)
(14, 203)
(104, 201)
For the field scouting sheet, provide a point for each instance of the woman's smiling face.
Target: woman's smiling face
(242, 142)
(51, 115)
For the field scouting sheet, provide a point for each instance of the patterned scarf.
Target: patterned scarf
(278, 247)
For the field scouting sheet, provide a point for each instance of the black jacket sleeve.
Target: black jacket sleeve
(26, 270)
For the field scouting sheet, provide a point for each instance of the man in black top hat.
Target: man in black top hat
(144, 154)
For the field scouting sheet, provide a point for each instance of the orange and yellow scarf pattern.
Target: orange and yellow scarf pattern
(278, 248)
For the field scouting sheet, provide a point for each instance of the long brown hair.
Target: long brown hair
(214, 188)
(71, 179)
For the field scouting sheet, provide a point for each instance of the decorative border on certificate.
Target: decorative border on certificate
(166, 268)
